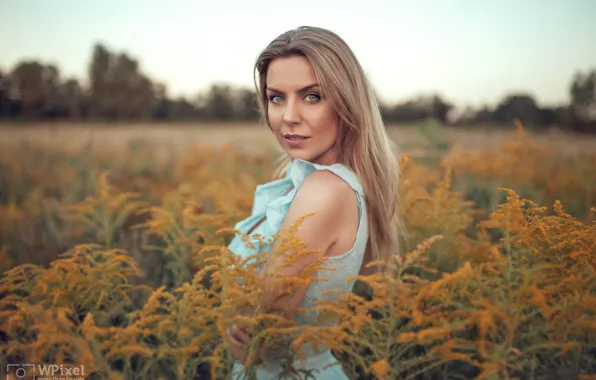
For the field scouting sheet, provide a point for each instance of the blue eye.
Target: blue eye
(313, 98)
(271, 98)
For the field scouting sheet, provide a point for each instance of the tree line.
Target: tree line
(117, 90)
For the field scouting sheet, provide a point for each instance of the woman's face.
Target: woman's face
(297, 107)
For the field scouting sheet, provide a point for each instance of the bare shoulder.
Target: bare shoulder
(325, 189)
(328, 197)
(333, 203)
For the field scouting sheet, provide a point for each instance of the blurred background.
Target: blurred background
(129, 135)
(462, 63)
(160, 95)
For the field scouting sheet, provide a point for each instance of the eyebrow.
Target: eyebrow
(301, 90)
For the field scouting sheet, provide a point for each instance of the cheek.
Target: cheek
(327, 124)
(275, 119)
(276, 113)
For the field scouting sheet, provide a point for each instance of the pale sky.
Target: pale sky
(470, 51)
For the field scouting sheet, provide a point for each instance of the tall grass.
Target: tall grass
(119, 263)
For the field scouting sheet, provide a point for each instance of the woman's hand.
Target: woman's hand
(238, 340)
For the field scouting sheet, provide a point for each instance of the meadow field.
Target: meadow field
(243, 135)
(113, 255)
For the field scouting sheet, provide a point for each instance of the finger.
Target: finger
(243, 330)
(233, 340)
(240, 334)
(236, 341)
(237, 352)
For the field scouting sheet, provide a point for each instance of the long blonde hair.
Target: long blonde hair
(363, 142)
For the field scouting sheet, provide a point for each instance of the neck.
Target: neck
(328, 157)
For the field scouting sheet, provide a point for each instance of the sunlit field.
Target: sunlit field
(113, 255)
(418, 137)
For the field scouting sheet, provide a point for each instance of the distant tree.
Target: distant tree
(73, 99)
(182, 109)
(485, 115)
(411, 110)
(37, 87)
(163, 107)
(439, 109)
(219, 102)
(583, 102)
(53, 96)
(420, 108)
(134, 91)
(6, 102)
(118, 89)
(99, 70)
(246, 104)
(518, 106)
(28, 77)
(552, 116)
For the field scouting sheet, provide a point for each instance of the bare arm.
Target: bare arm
(326, 195)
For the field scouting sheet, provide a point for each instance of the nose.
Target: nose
(291, 114)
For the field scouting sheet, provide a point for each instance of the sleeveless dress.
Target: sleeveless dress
(273, 200)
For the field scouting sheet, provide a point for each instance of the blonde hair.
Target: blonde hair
(363, 142)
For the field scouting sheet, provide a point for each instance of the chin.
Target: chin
(306, 156)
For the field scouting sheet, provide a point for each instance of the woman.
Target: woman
(339, 164)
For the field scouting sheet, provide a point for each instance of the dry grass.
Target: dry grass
(255, 139)
(496, 280)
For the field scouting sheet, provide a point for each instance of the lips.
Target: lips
(295, 137)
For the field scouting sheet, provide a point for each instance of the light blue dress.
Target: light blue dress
(270, 201)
